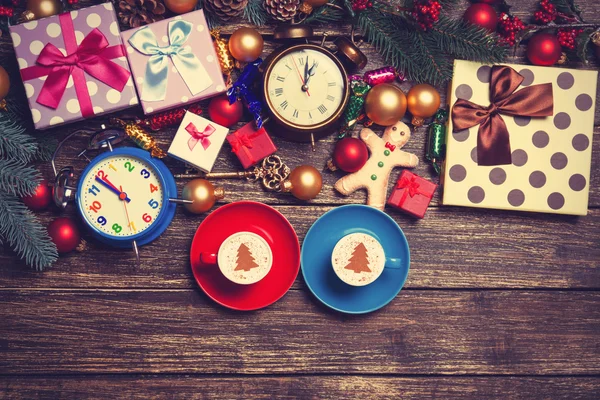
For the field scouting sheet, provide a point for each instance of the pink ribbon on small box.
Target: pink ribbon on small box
(93, 56)
(243, 141)
(198, 136)
(411, 187)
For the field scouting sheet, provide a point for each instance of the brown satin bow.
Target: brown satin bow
(493, 142)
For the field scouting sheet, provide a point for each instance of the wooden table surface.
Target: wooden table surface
(497, 304)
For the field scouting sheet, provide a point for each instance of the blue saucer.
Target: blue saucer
(316, 259)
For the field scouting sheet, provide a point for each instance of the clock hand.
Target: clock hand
(126, 213)
(306, 71)
(113, 189)
(311, 72)
(304, 88)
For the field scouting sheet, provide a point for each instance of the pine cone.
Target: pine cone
(282, 10)
(226, 9)
(135, 13)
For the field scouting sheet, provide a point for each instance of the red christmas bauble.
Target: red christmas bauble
(350, 154)
(482, 15)
(41, 199)
(64, 232)
(223, 113)
(543, 49)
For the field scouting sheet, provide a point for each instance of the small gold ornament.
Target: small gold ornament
(305, 182)
(423, 102)
(246, 44)
(37, 9)
(226, 60)
(140, 137)
(181, 6)
(4, 83)
(308, 6)
(385, 104)
(203, 195)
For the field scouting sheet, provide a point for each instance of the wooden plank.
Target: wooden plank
(293, 387)
(420, 332)
(450, 248)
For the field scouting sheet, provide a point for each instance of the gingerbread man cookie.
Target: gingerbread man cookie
(385, 156)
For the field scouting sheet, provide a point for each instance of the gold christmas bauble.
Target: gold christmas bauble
(305, 182)
(37, 9)
(423, 102)
(4, 83)
(385, 104)
(246, 44)
(203, 194)
(181, 6)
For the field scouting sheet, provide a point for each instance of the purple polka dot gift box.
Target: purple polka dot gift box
(519, 138)
(73, 66)
(174, 62)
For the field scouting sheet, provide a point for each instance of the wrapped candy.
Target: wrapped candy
(226, 60)
(379, 76)
(354, 109)
(169, 118)
(140, 137)
(436, 140)
(241, 89)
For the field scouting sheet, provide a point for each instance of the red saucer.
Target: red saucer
(266, 222)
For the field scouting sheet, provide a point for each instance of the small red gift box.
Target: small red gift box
(251, 145)
(412, 194)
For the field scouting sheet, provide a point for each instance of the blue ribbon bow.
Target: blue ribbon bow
(187, 64)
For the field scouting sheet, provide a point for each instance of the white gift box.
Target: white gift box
(198, 141)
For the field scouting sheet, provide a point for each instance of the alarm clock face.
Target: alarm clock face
(306, 87)
(121, 196)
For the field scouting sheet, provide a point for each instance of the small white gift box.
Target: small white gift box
(198, 141)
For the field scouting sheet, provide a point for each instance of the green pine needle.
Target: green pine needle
(255, 13)
(16, 178)
(24, 233)
(15, 143)
(325, 14)
(467, 41)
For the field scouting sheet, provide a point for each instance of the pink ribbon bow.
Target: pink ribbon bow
(240, 140)
(93, 56)
(198, 136)
(390, 146)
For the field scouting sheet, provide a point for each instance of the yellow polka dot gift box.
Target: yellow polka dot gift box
(73, 66)
(173, 62)
(519, 138)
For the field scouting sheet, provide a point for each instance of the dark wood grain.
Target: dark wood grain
(497, 304)
(181, 331)
(293, 387)
(450, 248)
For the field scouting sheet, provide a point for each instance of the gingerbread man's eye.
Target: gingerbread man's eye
(402, 133)
(394, 128)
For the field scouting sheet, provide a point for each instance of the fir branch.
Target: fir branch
(393, 42)
(437, 68)
(16, 178)
(15, 143)
(567, 7)
(464, 40)
(326, 14)
(45, 148)
(255, 13)
(24, 233)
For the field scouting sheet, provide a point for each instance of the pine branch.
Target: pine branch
(15, 143)
(255, 13)
(16, 178)
(24, 233)
(437, 67)
(464, 40)
(393, 42)
(45, 148)
(326, 14)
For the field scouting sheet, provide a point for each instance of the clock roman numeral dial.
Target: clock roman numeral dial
(305, 87)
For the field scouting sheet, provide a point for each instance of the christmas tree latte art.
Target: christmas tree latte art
(358, 259)
(245, 258)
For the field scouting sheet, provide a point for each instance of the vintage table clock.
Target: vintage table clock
(305, 86)
(125, 196)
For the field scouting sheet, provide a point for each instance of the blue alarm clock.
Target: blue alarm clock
(126, 197)
(123, 196)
